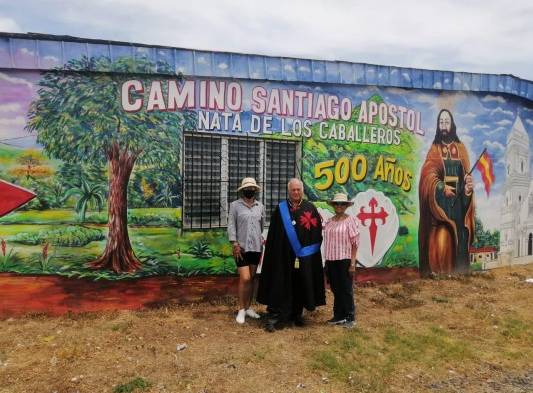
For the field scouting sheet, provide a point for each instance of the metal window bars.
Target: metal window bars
(214, 166)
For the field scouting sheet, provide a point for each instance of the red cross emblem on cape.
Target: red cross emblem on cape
(307, 220)
(12, 197)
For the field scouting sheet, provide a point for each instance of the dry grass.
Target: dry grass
(468, 334)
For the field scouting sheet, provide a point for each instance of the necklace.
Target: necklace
(294, 206)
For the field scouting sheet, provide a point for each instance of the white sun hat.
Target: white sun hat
(248, 182)
(340, 198)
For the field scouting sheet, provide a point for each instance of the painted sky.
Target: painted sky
(488, 36)
(18, 90)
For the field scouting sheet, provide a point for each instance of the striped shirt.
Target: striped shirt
(339, 236)
(245, 225)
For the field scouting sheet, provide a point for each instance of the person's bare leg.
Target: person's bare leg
(250, 293)
(252, 286)
(244, 283)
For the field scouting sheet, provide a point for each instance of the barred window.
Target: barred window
(202, 186)
(280, 167)
(244, 157)
(214, 166)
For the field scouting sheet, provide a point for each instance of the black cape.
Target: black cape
(279, 278)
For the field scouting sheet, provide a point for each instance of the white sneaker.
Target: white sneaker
(241, 315)
(252, 314)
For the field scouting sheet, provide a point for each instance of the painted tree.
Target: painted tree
(484, 237)
(88, 194)
(32, 165)
(78, 118)
(29, 160)
(73, 174)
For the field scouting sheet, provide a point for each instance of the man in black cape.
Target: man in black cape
(290, 282)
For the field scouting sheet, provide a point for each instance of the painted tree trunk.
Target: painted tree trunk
(118, 254)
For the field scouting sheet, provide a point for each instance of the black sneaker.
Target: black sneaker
(348, 324)
(274, 324)
(336, 321)
(299, 321)
(269, 327)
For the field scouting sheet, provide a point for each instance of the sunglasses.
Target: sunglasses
(339, 203)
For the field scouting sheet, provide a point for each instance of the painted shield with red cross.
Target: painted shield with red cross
(12, 197)
(378, 225)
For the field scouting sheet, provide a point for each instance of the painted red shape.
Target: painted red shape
(12, 197)
(56, 295)
(373, 216)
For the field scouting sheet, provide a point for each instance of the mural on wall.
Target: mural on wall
(516, 209)
(103, 154)
(447, 209)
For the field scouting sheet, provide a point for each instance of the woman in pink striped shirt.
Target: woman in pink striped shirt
(341, 239)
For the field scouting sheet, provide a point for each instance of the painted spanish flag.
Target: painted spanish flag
(486, 169)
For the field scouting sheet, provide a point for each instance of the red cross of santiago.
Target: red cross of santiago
(373, 216)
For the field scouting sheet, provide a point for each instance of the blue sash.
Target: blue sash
(299, 251)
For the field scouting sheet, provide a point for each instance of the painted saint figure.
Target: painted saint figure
(446, 227)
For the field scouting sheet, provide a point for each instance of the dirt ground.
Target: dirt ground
(448, 334)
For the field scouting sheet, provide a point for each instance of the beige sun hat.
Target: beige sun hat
(341, 198)
(248, 182)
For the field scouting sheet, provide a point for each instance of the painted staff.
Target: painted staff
(460, 190)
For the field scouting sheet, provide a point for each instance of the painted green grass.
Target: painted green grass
(68, 236)
(156, 247)
(477, 266)
(39, 217)
(11, 230)
(144, 217)
(158, 216)
(188, 265)
(404, 250)
(8, 154)
(163, 245)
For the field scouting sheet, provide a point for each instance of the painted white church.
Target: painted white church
(516, 230)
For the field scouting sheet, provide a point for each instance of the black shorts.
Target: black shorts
(250, 258)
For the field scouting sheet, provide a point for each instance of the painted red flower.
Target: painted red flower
(307, 220)
(45, 250)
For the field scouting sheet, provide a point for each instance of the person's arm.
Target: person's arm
(232, 232)
(354, 237)
(263, 213)
(319, 223)
(232, 224)
(351, 270)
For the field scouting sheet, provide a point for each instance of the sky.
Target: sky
(489, 36)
